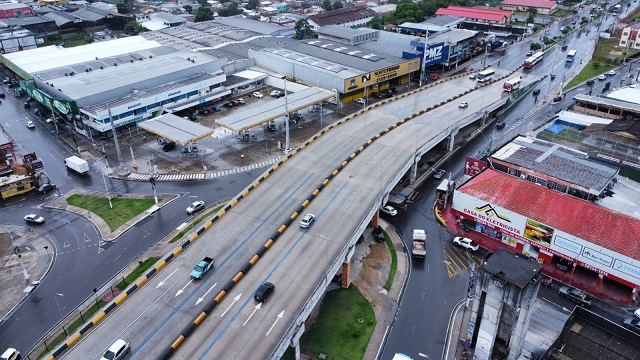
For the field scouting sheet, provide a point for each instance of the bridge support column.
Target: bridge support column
(414, 172)
(376, 219)
(452, 138)
(346, 269)
(295, 341)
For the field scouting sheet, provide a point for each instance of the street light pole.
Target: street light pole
(287, 147)
(424, 55)
(60, 310)
(16, 250)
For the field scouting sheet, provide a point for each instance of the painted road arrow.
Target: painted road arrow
(184, 287)
(275, 322)
(254, 311)
(167, 278)
(235, 299)
(201, 299)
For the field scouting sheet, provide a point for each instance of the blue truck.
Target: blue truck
(201, 268)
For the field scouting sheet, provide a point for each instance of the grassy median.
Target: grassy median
(123, 209)
(343, 327)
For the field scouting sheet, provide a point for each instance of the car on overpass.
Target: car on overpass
(307, 220)
(263, 292)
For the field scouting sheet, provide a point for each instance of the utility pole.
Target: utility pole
(152, 180)
(424, 55)
(287, 147)
(16, 250)
(115, 137)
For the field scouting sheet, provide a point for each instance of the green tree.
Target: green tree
(252, 4)
(308, 32)
(406, 13)
(133, 28)
(203, 3)
(532, 14)
(188, 9)
(376, 23)
(326, 4)
(306, 5)
(337, 5)
(204, 13)
(230, 10)
(535, 46)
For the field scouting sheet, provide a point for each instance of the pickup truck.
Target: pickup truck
(575, 295)
(201, 268)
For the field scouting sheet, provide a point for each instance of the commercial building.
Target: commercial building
(478, 14)
(347, 17)
(543, 201)
(543, 7)
(629, 37)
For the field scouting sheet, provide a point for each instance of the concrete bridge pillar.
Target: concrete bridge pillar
(295, 341)
(376, 219)
(452, 138)
(346, 268)
(414, 172)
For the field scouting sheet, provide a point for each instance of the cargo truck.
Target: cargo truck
(76, 164)
(419, 243)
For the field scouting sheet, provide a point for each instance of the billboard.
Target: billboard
(62, 107)
(381, 75)
(436, 53)
(473, 166)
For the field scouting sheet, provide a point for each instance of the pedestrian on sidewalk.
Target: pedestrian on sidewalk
(242, 157)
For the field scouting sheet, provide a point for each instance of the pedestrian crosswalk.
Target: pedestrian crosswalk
(203, 175)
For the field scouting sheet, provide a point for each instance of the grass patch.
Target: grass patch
(394, 262)
(567, 135)
(590, 71)
(143, 266)
(562, 12)
(191, 226)
(607, 50)
(343, 327)
(123, 209)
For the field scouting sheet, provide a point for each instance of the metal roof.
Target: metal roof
(610, 103)
(252, 117)
(176, 129)
(512, 268)
(390, 43)
(341, 31)
(444, 20)
(253, 26)
(556, 161)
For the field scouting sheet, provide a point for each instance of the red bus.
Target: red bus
(511, 84)
(533, 59)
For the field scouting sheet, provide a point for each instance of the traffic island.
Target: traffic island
(112, 216)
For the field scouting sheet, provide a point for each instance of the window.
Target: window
(622, 42)
(558, 187)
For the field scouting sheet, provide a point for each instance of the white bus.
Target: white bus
(485, 75)
(511, 85)
(571, 55)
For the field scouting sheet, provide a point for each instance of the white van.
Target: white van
(10, 354)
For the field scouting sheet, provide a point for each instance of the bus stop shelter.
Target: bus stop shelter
(256, 116)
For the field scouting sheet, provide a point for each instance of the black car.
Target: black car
(536, 92)
(46, 188)
(632, 323)
(2, 95)
(590, 82)
(229, 105)
(575, 295)
(168, 146)
(500, 125)
(263, 292)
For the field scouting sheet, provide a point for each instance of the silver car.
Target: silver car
(307, 220)
(195, 207)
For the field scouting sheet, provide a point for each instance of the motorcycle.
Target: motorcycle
(547, 282)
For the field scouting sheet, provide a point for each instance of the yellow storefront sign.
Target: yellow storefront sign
(378, 76)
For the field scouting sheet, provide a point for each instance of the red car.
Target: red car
(377, 95)
(435, 77)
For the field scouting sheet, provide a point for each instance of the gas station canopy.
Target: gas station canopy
(256, 116)
(176, 129)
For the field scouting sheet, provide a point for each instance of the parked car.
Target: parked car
(377, 95)
(388, 93)
(575, 295)
(466, 243)
(435, 77)
(46, 188)
(632, 323)
(263, 292)
(602, 77)
(280, 95)
(439, 174)
(229, 105)
(500, 125)
(463, 104)
(307, 220)
(378, 234)
(30, 125)
(195, 207)
(359, 101)
(389, 210)
(33, 218)
(257, 95)
(612, 73)
(275, 93)
(240, 101)
(117, 351)
(168, 146)
(10, 354)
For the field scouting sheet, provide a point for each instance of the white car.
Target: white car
(275, 93)
(439, 174)
(33, 218)
(602, 77)
(240, 100)
(466, 243)
(637, 313)
(463, 105)
(307, 220)
(389, 210)
(117, 351)
(359, 101)
(10, 354)
(612, 73)
(49, 120)
(257, 95)
(30, 125)
(195, 207)
(472, 76)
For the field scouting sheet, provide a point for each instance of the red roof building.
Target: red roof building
(545, 224)
(478, 14)
(544, 7)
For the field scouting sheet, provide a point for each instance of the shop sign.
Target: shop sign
(473, 167)
(378, 76)
(597, 256)
(567, 244)
(627, 268)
